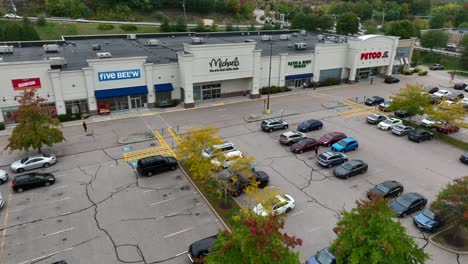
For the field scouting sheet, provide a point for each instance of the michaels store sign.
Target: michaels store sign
(119, 75)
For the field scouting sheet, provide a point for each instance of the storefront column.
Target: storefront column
(1, 116)
(58, 94)
(283, 65)
(316, 62)
(392, 58)
(89, 82)
(185, 66)
(257, 64)
(353, 68)
(150, 84)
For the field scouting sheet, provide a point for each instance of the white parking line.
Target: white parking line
(47, 235)
(60, 187)
(45, 256)
(300, 212)
(181, 253)
(176, 233)
(313, 229)
(163, 201)
(21, 209)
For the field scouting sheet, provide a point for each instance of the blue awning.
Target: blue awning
(163, 87)
(100, 94)
(300, 76)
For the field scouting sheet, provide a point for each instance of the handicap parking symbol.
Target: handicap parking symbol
(128, 148)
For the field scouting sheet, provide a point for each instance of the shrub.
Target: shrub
(417, 69)
(267, 27)
(105, 27)
(422, 73)
(229, 27)
(128, 27)
(2, 126)
(69, 117)
(159, 15)
(274, 89)
(41, 21)
(407, 72)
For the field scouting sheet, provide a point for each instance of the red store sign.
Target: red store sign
(24, 84)
(374, 55)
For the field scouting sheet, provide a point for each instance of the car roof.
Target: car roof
(290, 133)
(331, 153)
(203, 244)
(355, 162)
(261, 175)
(419, 131)
(376, 97)
(272, 120)
(391, 183)
(335, 133)
(412, 196)
(349, 139)
(233, 153)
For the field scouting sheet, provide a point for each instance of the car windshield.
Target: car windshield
(342, 143)
(24, 160)
(329, 136)
(400, 127)
(387, 101)
(347, 166)
(303, 142)
(375, 116)
(323, 258)
(307, 123)
(402, 201)
(383, 188)
(388, 121)
(429, 214)
(209, 151)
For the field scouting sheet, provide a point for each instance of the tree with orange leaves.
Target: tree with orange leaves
(35, 128)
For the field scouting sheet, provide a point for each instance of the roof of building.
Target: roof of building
(78, 49)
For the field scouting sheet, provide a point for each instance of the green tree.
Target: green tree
(348, 23)
(464, 55)
(368, 232)
(35, 128)
(29, 32)
(434, 39)
(449, 114)
(41, 21)
(421, 7)
(255, 239)
(325, 23)
(438, 21)
(451, 205)
(411, 99)
(392, 11)
(165, 25)
(404, 11)
(371, 27)
(180, 26)
(402, 28)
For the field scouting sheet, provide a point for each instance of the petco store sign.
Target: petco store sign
(119, 75)
(374, 55)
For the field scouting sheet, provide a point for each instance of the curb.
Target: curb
(272, 116)
(206, 200)
(445, 248)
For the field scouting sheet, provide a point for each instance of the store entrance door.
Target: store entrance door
(135, 103)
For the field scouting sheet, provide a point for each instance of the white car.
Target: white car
(11, 16)
(42, 160)
(228, 160)
(440, 93)
(81, 20)
(389, 123)
(3, 176)
(463, 101)
(281, 203)
(429, 122)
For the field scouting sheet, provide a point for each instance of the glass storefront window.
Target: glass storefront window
(77, 107)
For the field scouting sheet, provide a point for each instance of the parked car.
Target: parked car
(464, 157)
(237, 185)
(374, 100)
(227, 159)
(401, 130)
(431, 89)
(427, 220)
(32, 180)
(346, 144)
(200, 249)
(436, 66)
(155, 164)
(419, 135)
(43, 160)
(310, 125)
(391, 79)
(331, 138)
(273, 124)
(448, 129)
(460, 86)
(376, 118)
(330, 158)
(402, 113)
(323, 256)
(455, 96)
(2, 201)
(383, 106)
(350, 168)
(12, 16)
(3, 176)
(291, 137)
(429, 122)
(463, 101)
(386, 189)
(440, 94)
(304, 145)
(407, 204)
(218, 149)
(389, 123)
(281, 203)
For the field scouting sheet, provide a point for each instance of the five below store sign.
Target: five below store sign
(119, 75)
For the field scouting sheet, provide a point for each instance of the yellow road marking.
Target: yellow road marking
(147, 114)
(5, 222)
(174, 134)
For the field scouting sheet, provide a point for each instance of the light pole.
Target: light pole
(268, 111)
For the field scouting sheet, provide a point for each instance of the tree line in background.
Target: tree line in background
(18, 31)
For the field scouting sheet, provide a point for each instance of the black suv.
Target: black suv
(460, 86)
(243, 179)
(391, 79)
(32, 180)
(420, 135)
(200, 249)
(273, 124)
(154, 164)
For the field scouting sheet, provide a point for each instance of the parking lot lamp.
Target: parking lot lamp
(268, 111)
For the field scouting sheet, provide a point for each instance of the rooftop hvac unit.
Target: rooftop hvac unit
(197, 40)
(96, 46)
(57, 61)
(300, 46)
(154, 42)
(249, 40)
(285, 37)
(50, 47)
(266, 37)
(6, 49)
(131, 36)
(303, 32)
(295, 34)
(103, 55)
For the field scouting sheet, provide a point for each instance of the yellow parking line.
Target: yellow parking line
(174, 134)
(147, 114)
(5, 222)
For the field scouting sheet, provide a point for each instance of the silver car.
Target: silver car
(291, 137)
(43, 160)
(3, 176)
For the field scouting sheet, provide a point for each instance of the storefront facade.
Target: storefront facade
(200, 72)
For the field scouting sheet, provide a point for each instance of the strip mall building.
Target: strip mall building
(95, 74)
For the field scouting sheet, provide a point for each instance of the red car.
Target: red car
(449, 129)
(304, 145)
(331, 138)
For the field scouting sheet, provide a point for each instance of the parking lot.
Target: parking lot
(98, 211)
